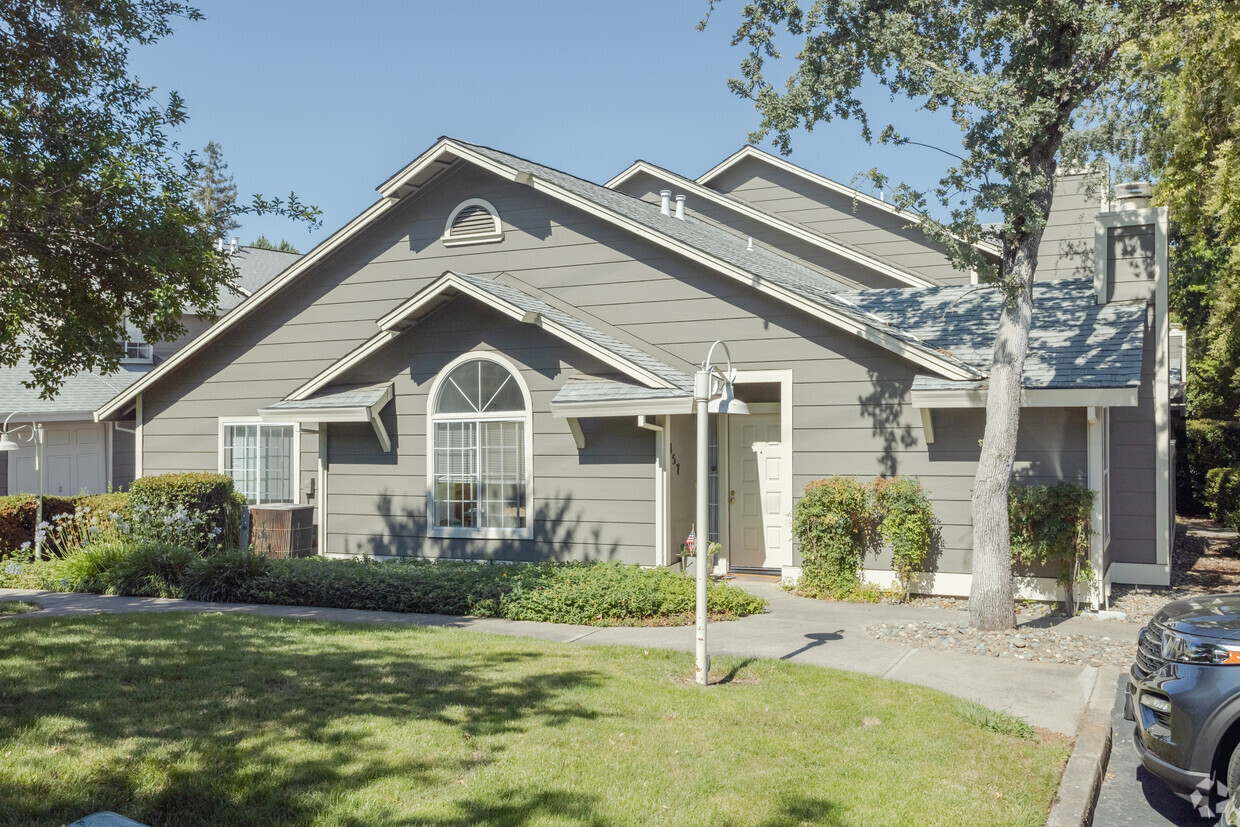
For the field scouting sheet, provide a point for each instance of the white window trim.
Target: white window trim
(256, 420)
(496, 234)
(433, 530)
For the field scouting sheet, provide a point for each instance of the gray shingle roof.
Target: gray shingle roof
(82, 392)
(582, 389)
(255, 267)
(517, 298)
(353, 397)
(1074, 343)
(803, 282)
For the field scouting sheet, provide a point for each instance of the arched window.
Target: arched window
(480, 448)
(473, 221)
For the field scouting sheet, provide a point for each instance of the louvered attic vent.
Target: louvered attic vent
(473, 222)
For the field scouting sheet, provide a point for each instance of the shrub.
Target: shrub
(209, 498)
(19, 520)
(116, 502)
(149, 570)
(88, 569)
(833, 522)
(1222, 495)
(905, 522)
(222, 576)
(1051, 524)
(1207, 444)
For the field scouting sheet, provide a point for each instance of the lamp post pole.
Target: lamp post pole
(701, 399)
(8, 444)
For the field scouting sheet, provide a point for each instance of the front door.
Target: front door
(754, 492)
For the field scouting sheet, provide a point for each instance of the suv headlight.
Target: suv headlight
(1182, 648)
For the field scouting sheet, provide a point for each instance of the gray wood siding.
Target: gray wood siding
(1133, 462)
(1131, 262)
(592, 504)
(840, 268)
(851, 416)
(193, 326)
(837, 215)
(122, 458)
(1067, 247)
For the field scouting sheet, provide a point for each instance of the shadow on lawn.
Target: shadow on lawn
(255, 722)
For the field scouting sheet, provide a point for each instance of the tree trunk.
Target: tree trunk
(991, 598)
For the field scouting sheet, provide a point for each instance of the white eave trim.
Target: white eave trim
(822, 242)
(635, 407)
(351, 413)
(1029, 398)
(835, 186)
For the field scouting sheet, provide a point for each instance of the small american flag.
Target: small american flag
(691, 541)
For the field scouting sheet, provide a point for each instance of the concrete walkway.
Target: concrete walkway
(1049, 695)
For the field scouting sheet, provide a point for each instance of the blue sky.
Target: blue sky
(329, 99)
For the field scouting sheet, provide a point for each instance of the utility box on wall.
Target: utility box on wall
(282, 530)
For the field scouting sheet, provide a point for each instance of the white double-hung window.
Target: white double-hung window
(261, 458)
(479, 446)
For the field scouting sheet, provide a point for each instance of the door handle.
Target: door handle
(731, 497)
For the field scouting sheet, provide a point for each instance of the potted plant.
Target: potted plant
(688, 557)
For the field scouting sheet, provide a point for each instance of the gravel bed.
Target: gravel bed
(1140, 603)
(1019, 644)
(1027, 608)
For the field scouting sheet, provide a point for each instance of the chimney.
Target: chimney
(232, 245)
(666, 195)
(219, 245)
(1133, 195)
(680, 207)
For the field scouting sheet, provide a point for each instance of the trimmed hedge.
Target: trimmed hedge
(211, 496)
(19, 517)
(1207, 444)
(1222, 496)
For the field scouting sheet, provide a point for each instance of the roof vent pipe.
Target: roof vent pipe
(750, 246)
(232, 244)
(680, 207)
(1133, 195)
(219, 245)
(666, 207)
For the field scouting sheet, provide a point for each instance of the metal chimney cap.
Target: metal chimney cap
(1134, 189)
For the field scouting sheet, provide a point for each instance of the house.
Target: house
(495, 360)
(82, 455)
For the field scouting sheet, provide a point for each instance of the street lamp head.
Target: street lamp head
(7, 443)
(727, 403)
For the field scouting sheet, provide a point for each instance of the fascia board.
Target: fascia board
(822, 242)
(835, 186)
(1029, 398)
(243, 310)
(361, 413)
(678, 405)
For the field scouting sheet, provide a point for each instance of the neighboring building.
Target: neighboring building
(83, 455)
(495, 361)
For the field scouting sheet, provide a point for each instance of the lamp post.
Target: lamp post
(708, 381)
(8, 444)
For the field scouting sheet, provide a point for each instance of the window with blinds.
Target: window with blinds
(480, 475)
(473, 222)
(259, 458)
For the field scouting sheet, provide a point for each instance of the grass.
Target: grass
(223, 719)
(18, 607)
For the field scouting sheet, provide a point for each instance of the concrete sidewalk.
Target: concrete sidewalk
(796, 629)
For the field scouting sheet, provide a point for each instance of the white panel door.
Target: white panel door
(74, 461)
(754, 492)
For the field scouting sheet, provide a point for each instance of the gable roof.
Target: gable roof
(79, 394)
(834, 246)
(749, 151)
(255, 267)
(1074, 343)
(718, 249)
(517, 304)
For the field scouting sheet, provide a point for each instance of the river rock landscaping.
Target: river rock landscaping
(1018, 644)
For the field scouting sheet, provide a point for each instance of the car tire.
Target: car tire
(1229, 816)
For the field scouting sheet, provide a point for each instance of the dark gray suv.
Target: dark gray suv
(1185, 696)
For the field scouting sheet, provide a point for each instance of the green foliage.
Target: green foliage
(19, 520)
(1222, 495)
(589, 593)
(1051, 524)
(220, 577)
(992, 720)
(114, 502)
(89, 166)
(18, 607)
(1207, 444)
(201, 497)
(264, 243)
(216, 193)
(149, 570)
(833, 524)
(906, 523)
(90, 569)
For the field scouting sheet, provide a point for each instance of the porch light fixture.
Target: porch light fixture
(34, 433)
(709, 381)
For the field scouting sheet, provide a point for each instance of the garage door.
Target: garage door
(75, 461)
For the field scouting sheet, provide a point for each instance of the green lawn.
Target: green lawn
(18, 607)
(210, 719)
